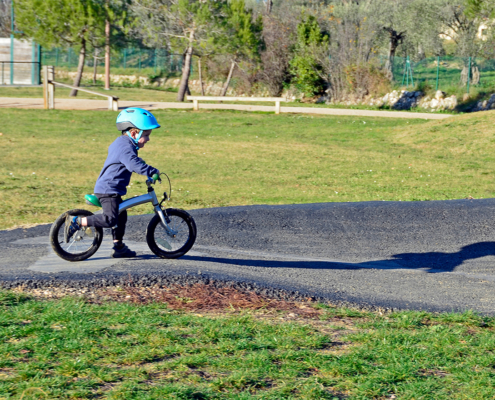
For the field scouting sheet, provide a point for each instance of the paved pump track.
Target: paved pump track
(435, 256)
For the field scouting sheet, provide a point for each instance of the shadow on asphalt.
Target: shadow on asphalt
(432, 262)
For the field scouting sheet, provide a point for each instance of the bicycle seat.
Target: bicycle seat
(92, 200)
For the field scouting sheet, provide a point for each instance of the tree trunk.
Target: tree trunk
(201, 77)
(224, 91)
(107, 55)
(80, 68)
(186, 69)
(95, 66)
(269, 5)
(395, 39)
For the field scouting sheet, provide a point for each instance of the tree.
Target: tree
(60, 23)
(117, 23)
(5, 15)
(400, 22)
(279, 38)
(182, 25)
(304, 65)
(462, 27)
(480, 8)
(242, 36)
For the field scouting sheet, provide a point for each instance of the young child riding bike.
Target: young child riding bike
(136, 125)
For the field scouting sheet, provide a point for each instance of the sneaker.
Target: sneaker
(122, 252)
(71, 227)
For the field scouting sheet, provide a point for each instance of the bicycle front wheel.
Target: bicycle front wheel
(82, 245)
(176, 243)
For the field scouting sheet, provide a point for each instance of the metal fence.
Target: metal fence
(133, 60)
(19, 73)
(443, 73)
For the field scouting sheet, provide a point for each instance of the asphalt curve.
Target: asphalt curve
(435, 256)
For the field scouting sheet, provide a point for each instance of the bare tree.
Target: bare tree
(184, 25)
(279, 39)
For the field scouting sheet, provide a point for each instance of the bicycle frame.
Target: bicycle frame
(149, 197)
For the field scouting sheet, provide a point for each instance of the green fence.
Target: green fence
(131, 60)
(444, 72)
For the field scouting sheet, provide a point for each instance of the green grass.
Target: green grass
(69, 349)
(51, 159)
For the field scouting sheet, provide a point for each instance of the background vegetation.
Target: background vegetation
(344, 49)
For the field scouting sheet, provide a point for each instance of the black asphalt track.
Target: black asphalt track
(435, 256)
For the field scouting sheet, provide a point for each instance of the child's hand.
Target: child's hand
(155, 178)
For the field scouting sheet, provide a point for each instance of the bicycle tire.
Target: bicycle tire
(56, 234)
(178, 220)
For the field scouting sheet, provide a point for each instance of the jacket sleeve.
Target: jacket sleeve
(133, 163)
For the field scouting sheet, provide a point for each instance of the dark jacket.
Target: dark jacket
(121, 162)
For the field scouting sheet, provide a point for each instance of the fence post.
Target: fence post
(68, 59)
(38, 71)
(155, 60)
(469, 75)
(125, 57)
(44, 73)
(407, 72)
(56, 57)
(48, 87)
(51, 86)
(140, 59)
(438, 71)
(411, 71)
(33, 65)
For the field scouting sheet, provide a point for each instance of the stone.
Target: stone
(466, 97)
(322, 99)
(439, 95)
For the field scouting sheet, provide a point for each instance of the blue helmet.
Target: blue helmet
(134, 117)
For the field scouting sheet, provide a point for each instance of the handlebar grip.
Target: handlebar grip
(155, 177)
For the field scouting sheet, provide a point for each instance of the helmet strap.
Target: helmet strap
(135, 141)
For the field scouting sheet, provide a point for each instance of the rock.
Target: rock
(439, 95)
(466, 97)
(322, 99)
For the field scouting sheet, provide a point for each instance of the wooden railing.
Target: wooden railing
(197, 99)
(49, 90)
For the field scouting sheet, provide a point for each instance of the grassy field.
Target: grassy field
(51, 159)
(72, 349)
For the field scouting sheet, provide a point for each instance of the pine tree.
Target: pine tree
(55, 23)
(242, 37)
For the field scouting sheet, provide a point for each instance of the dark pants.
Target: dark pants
(110, 217)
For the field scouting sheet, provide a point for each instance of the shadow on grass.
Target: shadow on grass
(432, 262)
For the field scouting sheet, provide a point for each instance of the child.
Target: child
(136, 125)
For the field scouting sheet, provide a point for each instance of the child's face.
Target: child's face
(145, 137)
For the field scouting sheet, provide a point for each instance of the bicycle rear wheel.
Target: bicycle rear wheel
(175, 245)
(82, 245)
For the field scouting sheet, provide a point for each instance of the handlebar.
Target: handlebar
(156, 178)
(153, 179)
